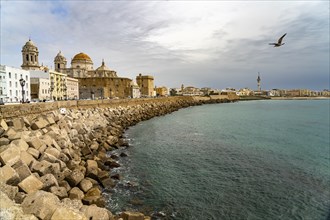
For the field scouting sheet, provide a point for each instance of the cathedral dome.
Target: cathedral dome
(81, 56)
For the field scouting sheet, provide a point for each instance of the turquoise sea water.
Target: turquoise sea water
(245, 160)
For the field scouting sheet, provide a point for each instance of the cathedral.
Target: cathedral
(98, 83)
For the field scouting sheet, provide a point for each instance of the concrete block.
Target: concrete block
(22, 169)
(27, 158)
(35, 143)
(30, 184)
(41, 204)
(42, 167)
(76, 193)
(132, 215)
(34, 152)
(85, 185)
(3, 124)
(20, 143)
(94, 212)
(39, 124)
(10, 191)
(59, 191)
(73, 203)
(9, 175)
(4, 141)
(48, 181)
(53, 151)
(10, 155)
(67, 213)
(75, 177)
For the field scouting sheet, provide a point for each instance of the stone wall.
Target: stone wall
(11, 111)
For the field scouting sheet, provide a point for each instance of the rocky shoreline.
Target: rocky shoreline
(55, 165)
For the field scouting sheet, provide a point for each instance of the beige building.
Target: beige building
(146, 84)
(40, 85)
(162, 91)
(72, 88)
(94, 84)
(58, 88)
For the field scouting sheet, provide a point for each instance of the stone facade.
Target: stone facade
(146, 84)
(101, 88)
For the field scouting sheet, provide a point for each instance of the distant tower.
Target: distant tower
(259, 80)
(30, 56)
(182, 88)
(59, 62)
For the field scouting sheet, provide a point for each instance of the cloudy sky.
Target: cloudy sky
(214, 44)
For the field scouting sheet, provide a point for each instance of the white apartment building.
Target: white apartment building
(3, 91)
(12, 80)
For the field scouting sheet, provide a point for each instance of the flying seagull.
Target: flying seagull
(279, 42)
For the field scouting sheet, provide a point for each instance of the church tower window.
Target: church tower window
(27, 57)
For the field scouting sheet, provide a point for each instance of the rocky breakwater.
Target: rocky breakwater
(55, 165)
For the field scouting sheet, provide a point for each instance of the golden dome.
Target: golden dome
(82, 56)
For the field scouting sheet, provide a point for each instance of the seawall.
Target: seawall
(54, 165)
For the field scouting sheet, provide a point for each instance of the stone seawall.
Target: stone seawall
(54, 165)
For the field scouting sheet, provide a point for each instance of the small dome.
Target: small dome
(60, 57)
(81, 56)
(29, 43)
(103, 67)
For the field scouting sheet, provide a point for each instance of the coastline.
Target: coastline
(56, 164)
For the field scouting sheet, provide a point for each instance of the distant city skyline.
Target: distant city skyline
(202, 44)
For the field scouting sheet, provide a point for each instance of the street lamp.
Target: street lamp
(22, 82)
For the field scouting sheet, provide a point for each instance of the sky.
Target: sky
(215, 44)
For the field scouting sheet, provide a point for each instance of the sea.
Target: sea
(266, 159)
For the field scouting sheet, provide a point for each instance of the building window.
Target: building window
(9, 83)
(9, 75)
(27, 57)
(32, 58)
(10, 92)
(16, 84)
(15, 75)
(16, 93)
(26, 78)
(21, 76)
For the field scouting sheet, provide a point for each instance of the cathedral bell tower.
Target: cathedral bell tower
(30, 56)
(60, 62)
